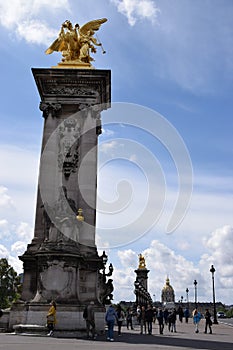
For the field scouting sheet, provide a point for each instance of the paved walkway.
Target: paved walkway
(184, 339)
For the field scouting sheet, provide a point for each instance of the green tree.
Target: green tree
(10, 285)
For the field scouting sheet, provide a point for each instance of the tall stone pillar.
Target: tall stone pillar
(62, 262)
(141, 286)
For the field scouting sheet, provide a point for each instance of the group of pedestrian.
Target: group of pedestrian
(145, 318)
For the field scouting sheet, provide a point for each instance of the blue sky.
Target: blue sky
(171, 60)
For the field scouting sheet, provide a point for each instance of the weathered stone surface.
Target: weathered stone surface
(62, 262)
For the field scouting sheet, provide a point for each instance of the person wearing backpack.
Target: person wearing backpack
(110, 318)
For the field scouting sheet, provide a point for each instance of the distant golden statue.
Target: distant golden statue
(142, 263)
(76, 43)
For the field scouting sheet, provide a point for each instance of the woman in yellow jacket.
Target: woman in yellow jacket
(51, 317)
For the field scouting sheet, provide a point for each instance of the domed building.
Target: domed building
(168, 294)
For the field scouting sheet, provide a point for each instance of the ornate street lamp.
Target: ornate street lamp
(212, 270)
(195, 291)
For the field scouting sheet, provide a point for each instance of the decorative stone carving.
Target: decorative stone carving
(61, 224)
(68, 155)
(56, 281)
(49, 108)
(70, 90)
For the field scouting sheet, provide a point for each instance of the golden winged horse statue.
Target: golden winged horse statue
(76, 43)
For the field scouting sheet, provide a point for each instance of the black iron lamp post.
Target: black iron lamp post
(195, 292)
(212, 270)
(187, 297)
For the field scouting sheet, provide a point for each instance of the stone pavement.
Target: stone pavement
(184, 339)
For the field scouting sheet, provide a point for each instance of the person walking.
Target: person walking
(89, 316)
(142, 319)
(165, 315)
(129, 318)
(160, 321)
(180, 313)
(149, 318)
(120, 318)
(51, 318)
(110, 318)
(196, 319)
(173, 321)
(208, 321)
(186, 314)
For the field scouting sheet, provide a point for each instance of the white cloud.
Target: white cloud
(135, 10)
(19, 16)
(106, 147)
(3, 223)
(25, 231)
(220, 246)
(12, 260)
(128, 257)
(18, 248)
(34, 31)
(107, 132)
(4, 228)
(5, 199)
(4, 253)
(15, 263)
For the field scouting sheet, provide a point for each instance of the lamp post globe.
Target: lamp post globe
(212, 270)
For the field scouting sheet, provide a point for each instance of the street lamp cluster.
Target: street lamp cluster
(212, 270)
(143, 297)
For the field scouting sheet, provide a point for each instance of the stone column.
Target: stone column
(62, 262)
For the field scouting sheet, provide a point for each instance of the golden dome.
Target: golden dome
(167, 286)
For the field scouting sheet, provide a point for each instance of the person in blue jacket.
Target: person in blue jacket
(110, 318)
(196, 319)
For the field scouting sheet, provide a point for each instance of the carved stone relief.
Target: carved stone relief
(68, 153)
(49, 108)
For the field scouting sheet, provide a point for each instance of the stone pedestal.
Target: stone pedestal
(62, 262)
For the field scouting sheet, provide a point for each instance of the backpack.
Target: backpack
(85, 313)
